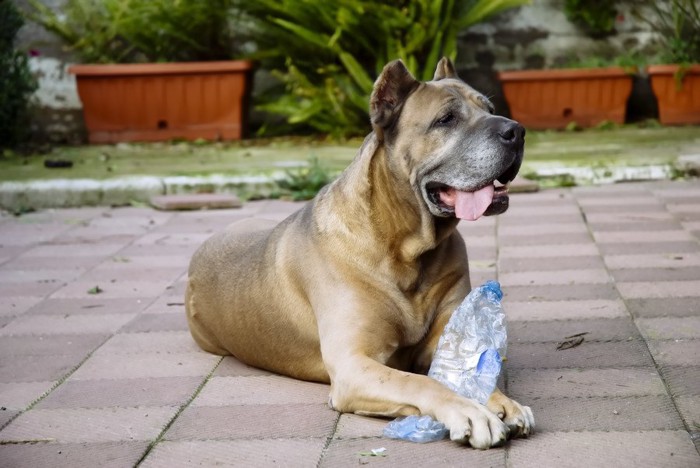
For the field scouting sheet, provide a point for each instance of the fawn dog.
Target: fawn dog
(356, 287)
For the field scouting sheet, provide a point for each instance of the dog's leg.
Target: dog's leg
(367, 387)
(518, 418)
(355, 349)
(425, 350)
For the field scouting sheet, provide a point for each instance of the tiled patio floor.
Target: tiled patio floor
(114, 379)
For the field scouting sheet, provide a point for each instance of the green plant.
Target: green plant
(16, 81)
(328, 53)
(631, 61)
(595, 16)
(552, 181)
(127, 31)
(607, 125)
(304, 183)
(678, 25)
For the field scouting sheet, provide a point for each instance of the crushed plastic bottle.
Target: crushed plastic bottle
(468, 356)
(419, 429)
(467, 360)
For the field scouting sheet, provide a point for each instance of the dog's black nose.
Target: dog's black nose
(510, 132)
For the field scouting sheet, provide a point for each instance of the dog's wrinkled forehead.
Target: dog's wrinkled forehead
(448, 95)
(399, 100)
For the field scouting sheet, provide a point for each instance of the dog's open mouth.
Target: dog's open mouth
(486, 201)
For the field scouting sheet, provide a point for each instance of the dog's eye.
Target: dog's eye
(445, 119)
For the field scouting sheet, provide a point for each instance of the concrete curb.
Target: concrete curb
(689, 163)
(64, 193)
(81, 192)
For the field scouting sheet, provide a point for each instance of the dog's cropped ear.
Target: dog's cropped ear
(445, 69)
(390, 91)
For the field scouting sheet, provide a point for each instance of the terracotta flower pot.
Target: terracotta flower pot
(677, 89)
(543, 99)
(164, 101)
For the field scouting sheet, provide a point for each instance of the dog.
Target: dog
(355, 288)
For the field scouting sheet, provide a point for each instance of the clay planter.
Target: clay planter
(677, 90)
(543, 99)
(164, 101)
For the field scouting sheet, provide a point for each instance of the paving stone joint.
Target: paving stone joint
(112, 377)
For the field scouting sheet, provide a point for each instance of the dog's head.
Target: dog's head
(443, 136)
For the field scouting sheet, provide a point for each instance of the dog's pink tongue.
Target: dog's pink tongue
(471, 205)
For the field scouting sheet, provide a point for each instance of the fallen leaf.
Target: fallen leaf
(571, 341)
(95, 290)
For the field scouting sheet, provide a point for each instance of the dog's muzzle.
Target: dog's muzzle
(492, 197)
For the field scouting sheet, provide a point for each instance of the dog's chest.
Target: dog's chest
(418, 311)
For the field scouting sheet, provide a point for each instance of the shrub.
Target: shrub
(679, 25)
(595, 17)
(16, 82)
(304, 183)
(128, 31)
(328, 53)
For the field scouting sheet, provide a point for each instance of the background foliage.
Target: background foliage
(328, 53)
(127, 31)
(678, 22)
(16, 81)
(595, 16)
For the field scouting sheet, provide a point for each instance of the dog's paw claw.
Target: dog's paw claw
(477, 426)
(461, 436)
(521, 423)
(517, 418)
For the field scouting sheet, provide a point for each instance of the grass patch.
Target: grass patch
(304, 183)
(621, 146)
(552, 181)
(603, 147)
(177, 159)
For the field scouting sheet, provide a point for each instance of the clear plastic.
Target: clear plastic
(468, 356)
(467, 360)
(419, 429)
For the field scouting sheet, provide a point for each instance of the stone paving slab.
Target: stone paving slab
(57, 455)
(532, 309)
(249, 452)
(265, 421)
(612, 414)
(620, 449)
(113, 378)
(195, 201)
(124, 393)
(76, 425)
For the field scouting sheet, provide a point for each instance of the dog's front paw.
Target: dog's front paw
(471, 422)
(517, 418)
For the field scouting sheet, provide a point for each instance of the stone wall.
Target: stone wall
(57, 113)
(540, 36)
(534, 36)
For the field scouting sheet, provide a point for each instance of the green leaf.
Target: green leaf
(486, 8)
(356, 71)
(321, 40)
(433, 57)
(330, 52)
